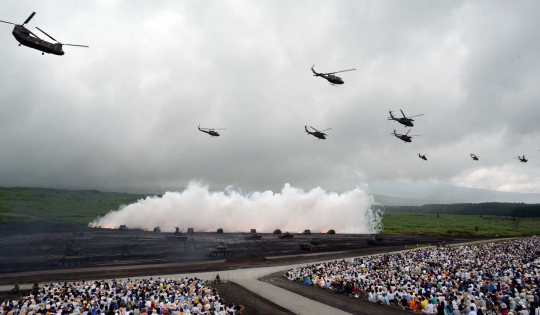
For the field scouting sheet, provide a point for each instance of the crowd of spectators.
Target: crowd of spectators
(188, 296)
(485, 279)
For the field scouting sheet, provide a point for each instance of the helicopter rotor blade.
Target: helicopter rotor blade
(48, 35)
(402, 113)
(8, 22)
(408, 132)
(34, 34)
(342, 71)
(417, 115)
(313, 128)
(29, 18)
(76, 45)
(325, 129)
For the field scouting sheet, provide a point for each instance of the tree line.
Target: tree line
(485, 208)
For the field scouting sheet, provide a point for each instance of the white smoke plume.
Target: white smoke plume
(291, 210)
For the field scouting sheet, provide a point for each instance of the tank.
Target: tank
(286, 235)
(277, 231)
(72, 256)
(331, 231)
(310, 246)
(123, 227)
(190, 231)
(307, 231)
(157, 229)
(375, 240)
(253, 237)
(219, 231)
(177, 236)
(79, 237)
(253, 231)
(315, 241)
(220, 251)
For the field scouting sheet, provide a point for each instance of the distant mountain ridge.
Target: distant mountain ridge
(415, 194)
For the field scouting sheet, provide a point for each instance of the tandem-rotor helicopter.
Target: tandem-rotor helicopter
(333, 79)
(318, 134)
(405, 137)
(522, 159)
(23, 36)
(474, 157)
(211, 131)
(406, 121)
(423, 157)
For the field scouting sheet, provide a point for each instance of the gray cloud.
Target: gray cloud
(123, 114)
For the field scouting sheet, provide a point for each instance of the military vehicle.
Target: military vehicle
(314, 244)
(253, 236)
(330, 77)
(320, 135)
(331, 231)
(220, 250)
(286, 235)
(72, 256)
(211, 131)
(123, 227)
(375, 240)
(157, 229)
(177, 236)
(277, 231)
(307, 232)
(219, 231)
(190, 230)
(79, 237)
(253, 231)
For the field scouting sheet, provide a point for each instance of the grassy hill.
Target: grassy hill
(58, 206)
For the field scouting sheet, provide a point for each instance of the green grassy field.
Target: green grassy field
(457, 225)
(58, 206)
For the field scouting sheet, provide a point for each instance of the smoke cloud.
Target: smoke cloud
(291, 210)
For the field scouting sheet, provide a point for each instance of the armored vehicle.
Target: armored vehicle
(253, 231)
(177, 236)
(252, 236)
(190, 230)
(307, 232)
(375, 240)
(123, 227)
(157, 229)
(331, 231)
(277, 231)
(220, 250)
(313, 245)
(286, 235)
(219, 231)
(79, 237)
(72, 256)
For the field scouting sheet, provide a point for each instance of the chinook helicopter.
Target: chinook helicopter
(23, 36)
(406, 121)
(333, 79)
(522, 159)
(318, 134)
(474, 157)
(423, 157)
(210, 131)
(404, 137)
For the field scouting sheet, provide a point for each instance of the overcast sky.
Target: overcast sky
(123, 114)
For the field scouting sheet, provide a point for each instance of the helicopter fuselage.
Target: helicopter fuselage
(23, 36)
(404, 138)
(333, 79)
(319, 135)
(423, 157)
(405, 121)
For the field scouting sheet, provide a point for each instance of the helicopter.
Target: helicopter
(330, 76)
(405, 137)
(423, 157)
(318, 134)
(22, 35)
(210, 131)
(474, 157)
(406, 121)
(522, 159)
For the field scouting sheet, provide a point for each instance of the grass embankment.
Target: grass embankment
(457, 225)
(58, 206)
